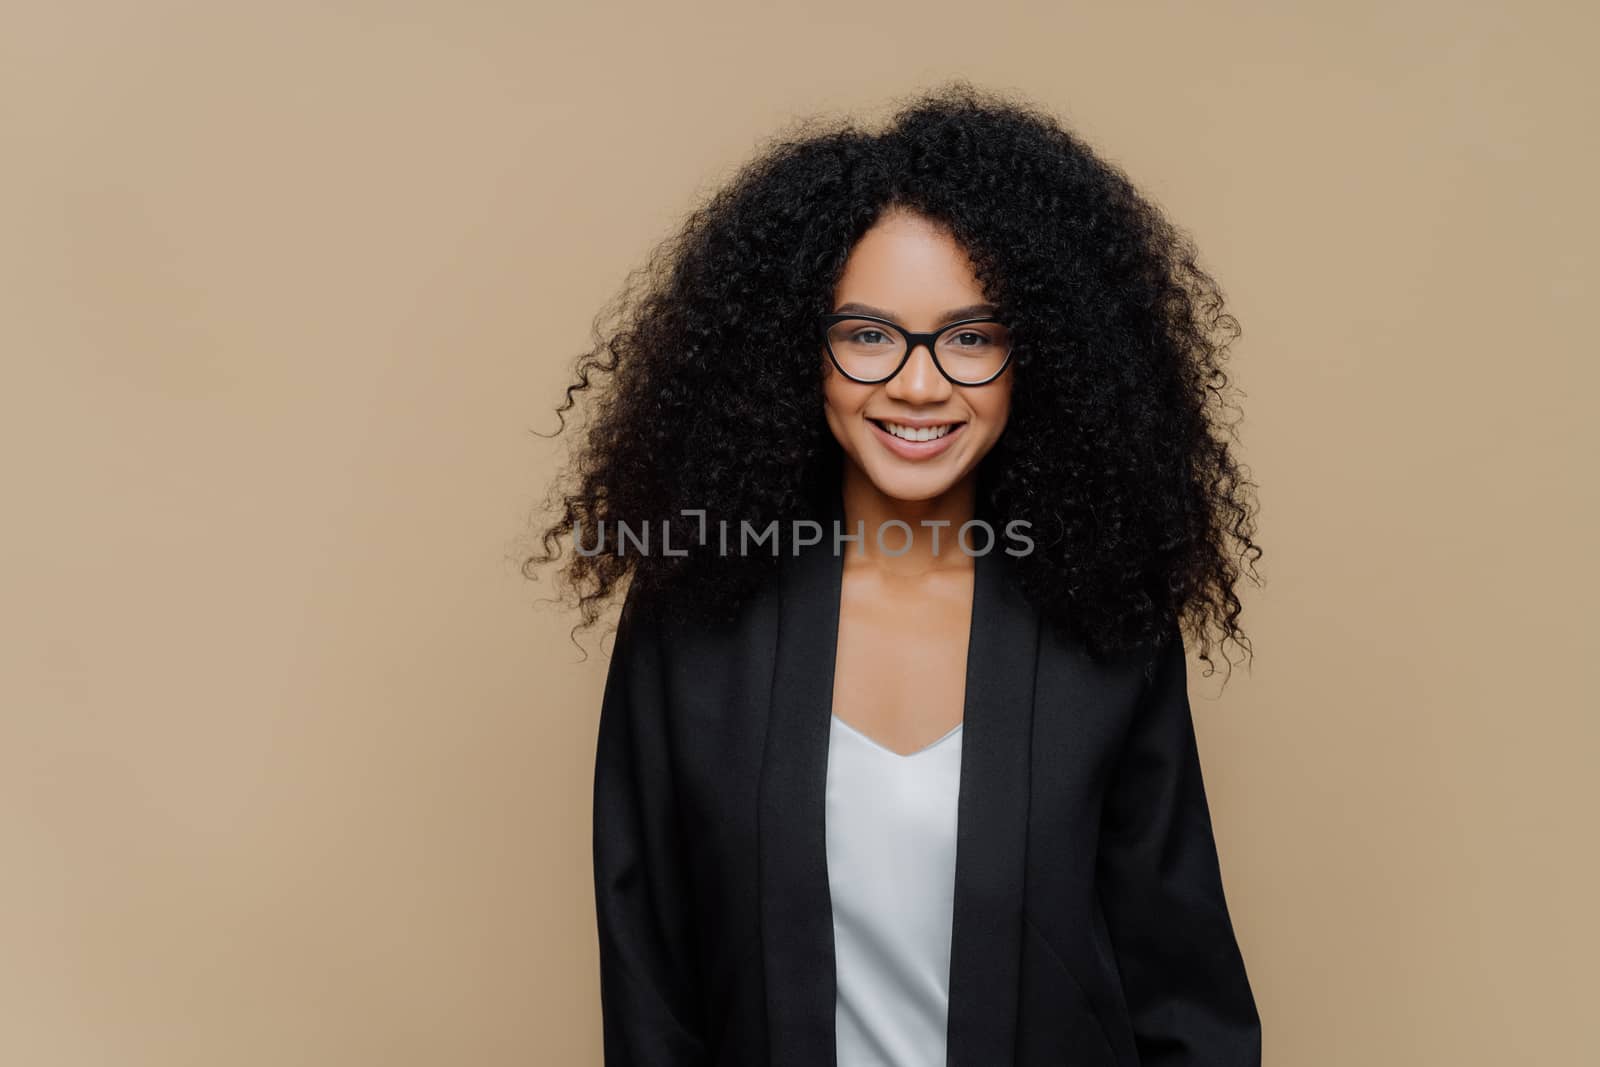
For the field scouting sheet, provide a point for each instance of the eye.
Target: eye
(864, 336)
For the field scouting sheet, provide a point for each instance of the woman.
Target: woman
(929, 795)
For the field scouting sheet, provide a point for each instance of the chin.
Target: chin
(899, 485)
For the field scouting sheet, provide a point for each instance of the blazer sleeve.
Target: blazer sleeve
(648, 992)
(1161, 890)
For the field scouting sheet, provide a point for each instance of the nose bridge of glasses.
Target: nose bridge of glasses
(923, 341)
(925, 373)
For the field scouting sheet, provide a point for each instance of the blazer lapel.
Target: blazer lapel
(796, 906)
(992, 822)
(991, 834)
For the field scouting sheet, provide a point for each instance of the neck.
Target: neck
(936, 518)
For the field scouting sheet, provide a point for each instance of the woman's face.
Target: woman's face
(910, 271)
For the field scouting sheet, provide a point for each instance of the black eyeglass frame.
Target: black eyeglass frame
(913, 339)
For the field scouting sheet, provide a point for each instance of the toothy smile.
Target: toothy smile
(916, 433)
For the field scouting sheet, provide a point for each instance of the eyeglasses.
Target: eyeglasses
(871, 350)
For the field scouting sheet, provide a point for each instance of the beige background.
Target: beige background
(293, 768)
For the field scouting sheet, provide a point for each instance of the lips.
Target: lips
(918, 450)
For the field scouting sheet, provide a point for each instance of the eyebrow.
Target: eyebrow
(971, 311)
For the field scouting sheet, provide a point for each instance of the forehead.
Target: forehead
(910, 269)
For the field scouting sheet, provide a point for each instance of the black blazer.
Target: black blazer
(1089, 929)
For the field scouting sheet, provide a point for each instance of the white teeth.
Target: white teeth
(912, 433)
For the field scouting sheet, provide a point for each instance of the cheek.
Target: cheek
(830, 399)
(995, 409)
(830, 384)
(841, 395)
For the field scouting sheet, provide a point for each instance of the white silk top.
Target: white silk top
(891, 847)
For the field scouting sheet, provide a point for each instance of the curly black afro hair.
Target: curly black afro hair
(1116, 450)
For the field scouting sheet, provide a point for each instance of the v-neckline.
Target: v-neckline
(886, 750)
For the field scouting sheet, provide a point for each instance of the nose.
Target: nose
(919, 381)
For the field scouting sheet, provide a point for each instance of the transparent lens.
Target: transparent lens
(866, 349)
(974, 352)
